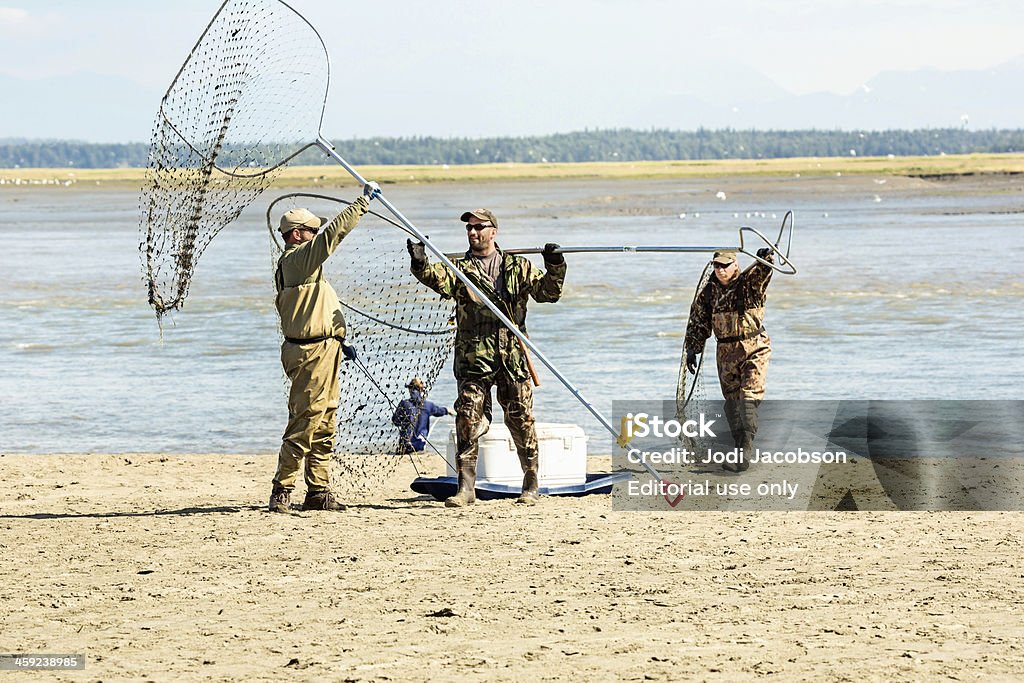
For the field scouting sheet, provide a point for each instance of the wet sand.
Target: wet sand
(166, 567)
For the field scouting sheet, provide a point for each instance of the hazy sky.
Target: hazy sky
(460, 67)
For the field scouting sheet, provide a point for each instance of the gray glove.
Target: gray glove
(552, 257)
(349, 352)
(371, 190)
(691, 360)
(418, 252)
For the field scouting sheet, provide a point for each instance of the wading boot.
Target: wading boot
(280, 500)
(734, 416)
(749, 412)
(466, 495)
(322, 500)
(530, 492)
(745, 446)
(746, 414)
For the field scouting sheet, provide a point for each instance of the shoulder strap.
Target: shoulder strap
(279, 277)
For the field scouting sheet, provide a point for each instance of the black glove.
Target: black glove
(349, 352)
(552, 257)
(371, 190)
(418, 252)
(691, 360)
(765, 253)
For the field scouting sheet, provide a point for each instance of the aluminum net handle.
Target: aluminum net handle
(512, 327)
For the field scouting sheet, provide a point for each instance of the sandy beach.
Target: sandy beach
(166, 567)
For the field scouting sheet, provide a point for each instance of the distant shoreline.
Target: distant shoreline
(928, 167)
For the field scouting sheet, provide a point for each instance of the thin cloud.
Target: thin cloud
(20, 27)
(12, 16)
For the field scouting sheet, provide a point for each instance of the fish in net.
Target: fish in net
(400, 329)
(248, 99)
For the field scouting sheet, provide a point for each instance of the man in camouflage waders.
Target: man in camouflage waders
(731, 305)
(487, 354)
(314, 334)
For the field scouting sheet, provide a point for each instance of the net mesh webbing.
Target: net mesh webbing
(248, 98)
(691, 397)
(400, 329)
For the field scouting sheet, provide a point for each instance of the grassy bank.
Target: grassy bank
(331, 176)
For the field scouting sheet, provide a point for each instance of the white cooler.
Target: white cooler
(562, 456)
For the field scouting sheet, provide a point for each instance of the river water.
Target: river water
(906, 289)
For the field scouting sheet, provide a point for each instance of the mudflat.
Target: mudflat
(332, 175)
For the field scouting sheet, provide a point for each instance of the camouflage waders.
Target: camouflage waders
(472, 420)
(487, 354)
(734, 313)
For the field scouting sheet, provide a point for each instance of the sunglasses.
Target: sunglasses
(723, 266)
(477, 226)
(305, 229)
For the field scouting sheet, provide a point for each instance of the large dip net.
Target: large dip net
(400, 329)
(248, 98)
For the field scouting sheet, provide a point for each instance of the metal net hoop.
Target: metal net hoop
(248, 99)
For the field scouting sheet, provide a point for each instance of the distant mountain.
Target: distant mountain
(925, 98)
(99, 108)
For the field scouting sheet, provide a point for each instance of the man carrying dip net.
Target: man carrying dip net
(731, 305)
(314, 342)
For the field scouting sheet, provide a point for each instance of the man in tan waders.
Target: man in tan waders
(731, 305)
(487, 354)
(314, 334)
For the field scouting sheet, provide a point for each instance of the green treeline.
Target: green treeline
(587, 145)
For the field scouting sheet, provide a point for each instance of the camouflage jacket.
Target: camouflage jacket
(483, 345)
(732, 312)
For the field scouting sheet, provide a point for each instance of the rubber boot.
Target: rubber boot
(734, 415)
(531, 485)
(745, 444)
(466, 495)
(747, 413)
(750, 424)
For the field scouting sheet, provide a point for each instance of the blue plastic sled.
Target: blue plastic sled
(445, 487)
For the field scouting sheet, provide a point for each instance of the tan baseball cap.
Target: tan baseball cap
(482, 214)
(724, 257)
(301, 218)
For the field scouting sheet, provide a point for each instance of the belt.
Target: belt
(311, 340)
(742, 337)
